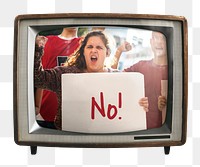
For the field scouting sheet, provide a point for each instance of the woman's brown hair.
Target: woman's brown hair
(78, 58)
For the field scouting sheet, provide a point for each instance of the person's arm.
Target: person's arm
(45, 79)
(125, 47)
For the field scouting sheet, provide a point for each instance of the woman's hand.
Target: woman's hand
(41, 41)
(143, 102)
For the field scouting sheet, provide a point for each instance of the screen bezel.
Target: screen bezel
(29, 133)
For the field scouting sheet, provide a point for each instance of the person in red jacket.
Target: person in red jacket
(57, 50)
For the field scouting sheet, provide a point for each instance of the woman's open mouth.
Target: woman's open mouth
(94, 58)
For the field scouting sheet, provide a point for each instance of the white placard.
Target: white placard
(102, 102)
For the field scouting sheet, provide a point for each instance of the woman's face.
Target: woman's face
(95, 53)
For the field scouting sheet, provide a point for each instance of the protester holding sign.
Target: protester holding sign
(88, 59)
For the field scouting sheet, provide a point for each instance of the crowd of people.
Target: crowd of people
(87, 54)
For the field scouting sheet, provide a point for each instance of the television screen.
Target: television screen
(100, 80)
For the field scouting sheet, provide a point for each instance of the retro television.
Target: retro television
(113, 129)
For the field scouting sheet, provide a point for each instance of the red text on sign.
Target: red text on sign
(112, 110)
